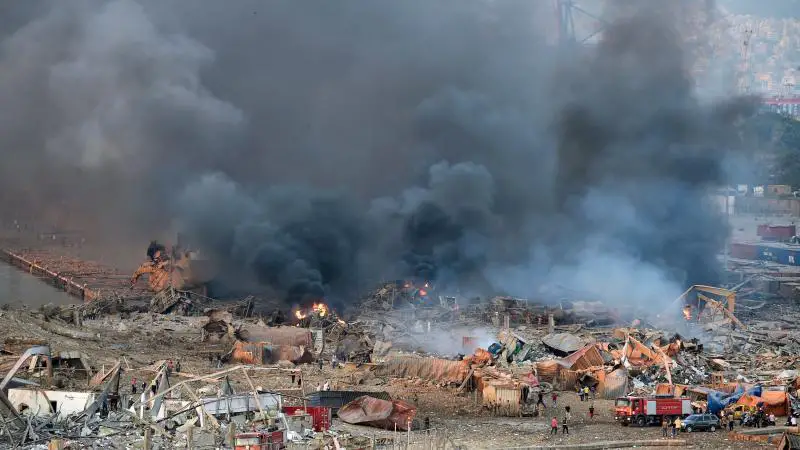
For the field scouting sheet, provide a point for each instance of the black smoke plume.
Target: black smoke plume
(314, 148)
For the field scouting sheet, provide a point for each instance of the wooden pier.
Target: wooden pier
(85, 280)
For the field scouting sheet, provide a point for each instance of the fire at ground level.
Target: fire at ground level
(454, 373)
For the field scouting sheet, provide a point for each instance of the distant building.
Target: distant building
(789, 106)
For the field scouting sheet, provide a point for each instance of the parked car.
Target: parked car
(697, 422)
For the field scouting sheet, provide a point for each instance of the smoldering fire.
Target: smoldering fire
(427, 139)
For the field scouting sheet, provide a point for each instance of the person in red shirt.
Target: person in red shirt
(554, 426)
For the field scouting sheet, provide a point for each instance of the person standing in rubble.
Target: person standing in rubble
(554, 397)
(565, 429)
(326, 386)
(554, 426)
(133, 385)
(675, 427)
(664, 427)
(540, 399)
(591, 411)
(586, 393)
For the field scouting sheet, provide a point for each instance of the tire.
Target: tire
(712, 428)
(689, 429)
(641, 421)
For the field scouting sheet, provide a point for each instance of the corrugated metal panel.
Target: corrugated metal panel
(281, 335)
(548, 370)
(241, 403)
(502, 400)
(266, 353)
(441, 370)
(615, 384)
(583, 359)
(567, 379)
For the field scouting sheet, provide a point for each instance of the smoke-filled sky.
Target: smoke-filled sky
(316, 147)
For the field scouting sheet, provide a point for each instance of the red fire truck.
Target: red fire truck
(643, 411)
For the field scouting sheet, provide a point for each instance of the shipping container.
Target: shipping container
(776, 232)
(780, 253)
(336, 399)
(321, 415)
(744, 251)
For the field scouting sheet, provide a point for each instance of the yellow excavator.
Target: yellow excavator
(182, 270)
(714, 299)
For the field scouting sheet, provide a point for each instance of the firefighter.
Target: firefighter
(676, 427)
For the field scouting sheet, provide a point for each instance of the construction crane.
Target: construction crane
(566, 22)
(744, 74)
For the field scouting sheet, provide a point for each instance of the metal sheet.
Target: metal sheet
(441, 370)
(241, 403)
(379, 413)
(281, 335)
(615, 384)
(336, 399)
(563, 342)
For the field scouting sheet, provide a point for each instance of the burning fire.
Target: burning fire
(687, 312)
(320, 309)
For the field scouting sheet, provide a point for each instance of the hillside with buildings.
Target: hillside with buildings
(767, 43)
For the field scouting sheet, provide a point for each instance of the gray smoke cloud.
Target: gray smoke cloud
(316, 148)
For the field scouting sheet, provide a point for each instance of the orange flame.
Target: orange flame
(299, 315)
(320, 308)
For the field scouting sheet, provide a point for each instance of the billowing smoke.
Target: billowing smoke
(316, 148)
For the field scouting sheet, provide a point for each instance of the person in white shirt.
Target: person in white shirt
(326, 386)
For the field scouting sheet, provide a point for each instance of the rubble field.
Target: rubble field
(406, 366)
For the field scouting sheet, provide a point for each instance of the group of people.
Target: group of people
(670, 427)
(564, 422)
(727, 421)
(585, 393)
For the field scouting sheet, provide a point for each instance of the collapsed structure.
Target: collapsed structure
(719, 348)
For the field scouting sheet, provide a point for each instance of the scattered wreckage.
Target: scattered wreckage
(716, 348)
